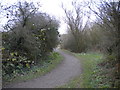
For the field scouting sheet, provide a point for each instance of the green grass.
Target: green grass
(89, 64)
(89, 77)
(36, 71)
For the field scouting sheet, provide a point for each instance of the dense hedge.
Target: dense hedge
(30, 38)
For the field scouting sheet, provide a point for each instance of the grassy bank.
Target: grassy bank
(97, 71)
(90, 77)
(93, 75)
(36, 71)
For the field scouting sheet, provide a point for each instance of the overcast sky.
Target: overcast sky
(52, 7)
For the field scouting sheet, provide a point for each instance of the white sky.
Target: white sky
(52, 7)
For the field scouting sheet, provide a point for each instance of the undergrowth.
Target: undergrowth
(35, 71)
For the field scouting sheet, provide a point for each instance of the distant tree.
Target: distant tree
(74, 19)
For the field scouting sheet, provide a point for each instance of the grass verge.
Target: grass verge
(97, 71)
(92, 75)
(36, 71)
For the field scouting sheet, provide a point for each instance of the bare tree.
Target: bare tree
(20, 13)
(75, 20)
(109, 15)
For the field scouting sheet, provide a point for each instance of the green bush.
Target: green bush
(15, 62)
(27, 41)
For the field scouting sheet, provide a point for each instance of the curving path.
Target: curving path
(68, 69)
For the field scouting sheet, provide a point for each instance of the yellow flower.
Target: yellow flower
(13, 59)
(2, 48)
(27, 65)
